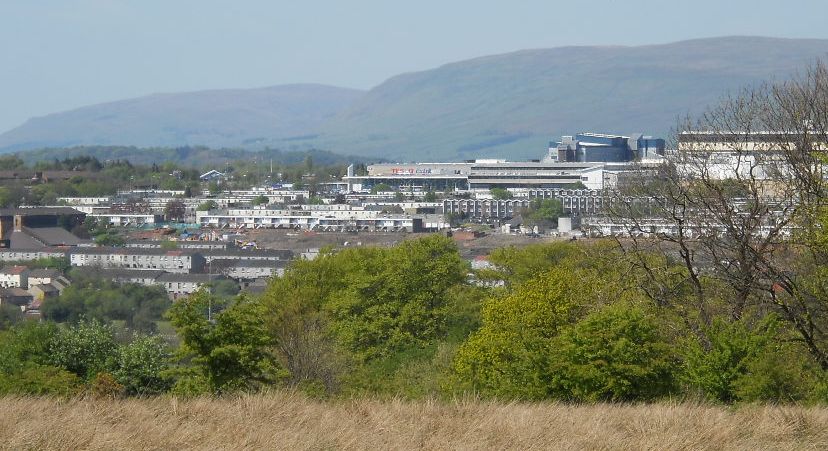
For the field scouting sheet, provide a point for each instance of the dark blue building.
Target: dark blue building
(597, 148)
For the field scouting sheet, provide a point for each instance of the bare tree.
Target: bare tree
(175, 210)
(735, 213)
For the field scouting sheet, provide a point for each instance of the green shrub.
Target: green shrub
(39, 380)
(615, 354)
(85, 349)
(140, 365)
(712, 367)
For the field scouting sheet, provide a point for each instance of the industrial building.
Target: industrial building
(30, 228)
(575, 162)
(597, 147)
(477, 175)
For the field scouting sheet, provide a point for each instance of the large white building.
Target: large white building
(478, 175)
(325, 220)
(175, 261)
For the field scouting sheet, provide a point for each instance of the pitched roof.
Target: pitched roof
(250, 253)
(196, 278)
(53, 236)
(128, 274)
(106, 250)
(14, 270)
(45, 287)
(37, 211)
(21, 240)
(14, 292)
(223, 263)
(44, 273)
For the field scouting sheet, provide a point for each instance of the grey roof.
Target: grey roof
(106, 250)
(53, 236)
(14, 269)
(47, 249)
(241, 253)
(128, 274)
(21, 240)
(234, 262)
(39, 211)
(45, 272)
(61, 283)
(197, 278)
(516, 221)
(14, 292)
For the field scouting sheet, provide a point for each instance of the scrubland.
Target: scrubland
(289, 420)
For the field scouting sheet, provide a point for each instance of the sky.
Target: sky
(57, 55)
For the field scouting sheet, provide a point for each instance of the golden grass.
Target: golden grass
(285, 420)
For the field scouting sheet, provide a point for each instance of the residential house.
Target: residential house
(178, 285)
(43, 291)
(42, 276)
(14, 276)
(175, 261)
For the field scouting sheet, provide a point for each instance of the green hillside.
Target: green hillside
(511, 105)
(218, 118)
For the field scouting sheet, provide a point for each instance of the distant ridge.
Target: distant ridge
(218, 118)
(507, 105)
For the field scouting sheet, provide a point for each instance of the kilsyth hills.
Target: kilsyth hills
(506, 106)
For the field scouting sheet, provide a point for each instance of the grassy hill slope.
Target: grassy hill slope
(511, 105)
(220, 118)
(289, 421)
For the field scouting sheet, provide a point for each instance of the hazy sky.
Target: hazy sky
(61, 54)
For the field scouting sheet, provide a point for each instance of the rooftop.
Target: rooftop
(35, 211)
(121, 274)
(14, 292)
(45, 287)
(105, 250)
(16, 270)
(192, 278)
(44, 272)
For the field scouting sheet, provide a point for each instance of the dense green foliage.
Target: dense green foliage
(138, 306)
(615, 354)
(543, 212)
(349, 317)
(570, 322)
(44, 359)
(207, 205)
(574, 323)
(225, 354)
(501, 194)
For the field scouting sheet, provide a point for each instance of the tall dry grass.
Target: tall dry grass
(291, 421)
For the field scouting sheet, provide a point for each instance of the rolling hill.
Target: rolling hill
(217, 118)
(507, 105)
(511, 105)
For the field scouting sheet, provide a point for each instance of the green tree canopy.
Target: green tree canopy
(501, 193)
(207, 205)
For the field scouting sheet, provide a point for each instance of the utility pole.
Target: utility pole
(210, 291)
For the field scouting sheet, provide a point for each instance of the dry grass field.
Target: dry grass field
(292, 421)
